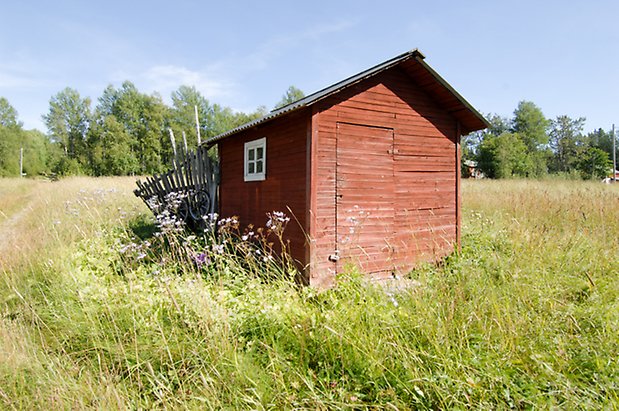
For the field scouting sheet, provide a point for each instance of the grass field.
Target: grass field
(96, 312)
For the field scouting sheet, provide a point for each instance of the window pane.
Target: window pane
(251, 154)
(259, 166)
(259, 153)
(250, 168)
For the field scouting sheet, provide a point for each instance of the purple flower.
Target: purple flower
(200, 259)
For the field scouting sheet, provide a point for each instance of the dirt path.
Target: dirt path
(9, 229)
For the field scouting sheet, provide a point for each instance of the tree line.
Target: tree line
(37, 148)
(530, 145)
(127, 132)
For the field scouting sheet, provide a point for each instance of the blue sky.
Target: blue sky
(562, 55)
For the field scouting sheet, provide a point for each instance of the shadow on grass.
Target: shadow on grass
(143, 227)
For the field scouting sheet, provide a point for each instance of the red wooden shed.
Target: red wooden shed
(369, 167)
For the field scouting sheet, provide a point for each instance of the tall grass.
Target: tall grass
(13, 196)
(99, 314)
(43, 216)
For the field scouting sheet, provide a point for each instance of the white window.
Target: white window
(256, 160)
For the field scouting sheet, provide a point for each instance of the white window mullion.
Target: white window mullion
(255, 160)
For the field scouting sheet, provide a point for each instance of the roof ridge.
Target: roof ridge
(347, 82)
(395, 60)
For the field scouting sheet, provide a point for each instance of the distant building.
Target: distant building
(471, 170)
(611, 178)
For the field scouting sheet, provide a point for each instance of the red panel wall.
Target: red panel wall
(285, 184)
(425, 170)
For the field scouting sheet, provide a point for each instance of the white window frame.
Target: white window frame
(250, 146)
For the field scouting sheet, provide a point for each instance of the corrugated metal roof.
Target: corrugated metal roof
(335, 88)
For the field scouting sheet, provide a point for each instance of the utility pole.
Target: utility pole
(21, 161)
(197, 126)
(614, 156)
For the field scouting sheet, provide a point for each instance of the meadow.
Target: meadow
(101, 309)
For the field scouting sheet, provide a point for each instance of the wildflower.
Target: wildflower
(247, 236)
(211, 221)
(210, 217)
(168, 222)
(229, 220)
(200, 259)
(276, 222)
(392, 299)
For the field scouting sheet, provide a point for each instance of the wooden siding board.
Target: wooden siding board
(310, 216)
(424, 165)
(284, 188)
(458, 160)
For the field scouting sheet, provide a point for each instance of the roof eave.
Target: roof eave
(254, 123)
(313, 98)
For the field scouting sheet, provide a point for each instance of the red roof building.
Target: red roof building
(368, 169)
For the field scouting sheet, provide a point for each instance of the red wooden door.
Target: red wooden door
(365, 197)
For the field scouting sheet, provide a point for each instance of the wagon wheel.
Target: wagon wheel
(201, 205)
(183, 209)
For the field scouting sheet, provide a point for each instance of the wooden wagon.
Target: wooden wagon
(192, 183)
